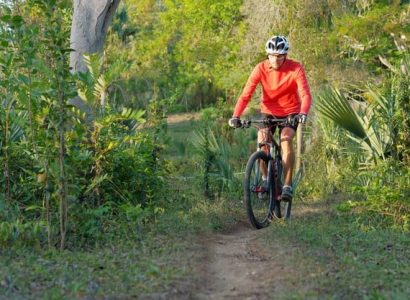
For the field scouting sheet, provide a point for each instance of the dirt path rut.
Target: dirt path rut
(239, 267)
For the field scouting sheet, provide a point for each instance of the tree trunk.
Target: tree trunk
(91, 19)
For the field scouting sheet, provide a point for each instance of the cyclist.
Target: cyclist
(285, 94)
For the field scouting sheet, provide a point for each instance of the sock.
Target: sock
(263, 177)
(287, 186)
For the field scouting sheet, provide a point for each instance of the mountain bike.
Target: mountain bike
(263, 197)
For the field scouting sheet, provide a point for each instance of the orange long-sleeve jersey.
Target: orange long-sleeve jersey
(285, 91)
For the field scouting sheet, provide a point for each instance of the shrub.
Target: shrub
(386, 192)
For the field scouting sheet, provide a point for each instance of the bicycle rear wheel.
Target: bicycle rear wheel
(258, 194)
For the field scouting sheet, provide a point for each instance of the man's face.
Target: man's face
(276, 60)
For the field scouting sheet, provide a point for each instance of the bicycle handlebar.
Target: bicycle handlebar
(270, 122)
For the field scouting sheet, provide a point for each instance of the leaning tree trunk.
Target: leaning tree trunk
(91, 19)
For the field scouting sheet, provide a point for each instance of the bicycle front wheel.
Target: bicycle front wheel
(258, 193)
(282, 208)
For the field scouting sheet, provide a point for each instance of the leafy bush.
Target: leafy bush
(64, 169)
(386, 190)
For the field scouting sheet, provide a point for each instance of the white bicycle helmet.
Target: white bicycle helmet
(277, 45)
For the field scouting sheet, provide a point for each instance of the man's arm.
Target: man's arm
(247, 92)
(303, 91)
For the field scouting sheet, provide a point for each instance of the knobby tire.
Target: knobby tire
(282, 209)
(259, 206)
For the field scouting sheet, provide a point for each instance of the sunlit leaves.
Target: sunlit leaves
(180, 50)
(95, 84)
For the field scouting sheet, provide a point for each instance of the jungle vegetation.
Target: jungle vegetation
(72, 183)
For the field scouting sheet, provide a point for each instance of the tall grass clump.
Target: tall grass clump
(387, 194)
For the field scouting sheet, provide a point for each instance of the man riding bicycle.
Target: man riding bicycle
(286, 94)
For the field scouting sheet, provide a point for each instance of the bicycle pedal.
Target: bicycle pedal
(285, 199)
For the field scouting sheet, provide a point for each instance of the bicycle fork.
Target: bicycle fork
(275, 171)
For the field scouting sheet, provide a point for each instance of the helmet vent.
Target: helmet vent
(277, 45)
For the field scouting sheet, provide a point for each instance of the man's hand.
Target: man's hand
(302, 118)
(235, 122)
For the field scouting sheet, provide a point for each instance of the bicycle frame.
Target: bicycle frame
(275, 149)
(274, 155)
(269, 156)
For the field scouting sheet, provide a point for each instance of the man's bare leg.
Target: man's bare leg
(288, 155)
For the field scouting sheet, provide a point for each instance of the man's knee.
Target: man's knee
(286, 151)
(286, 140)
(287, 134)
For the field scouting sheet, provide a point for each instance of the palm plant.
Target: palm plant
(96, 83)
(215, 151)
(360, 119)
(94, 90)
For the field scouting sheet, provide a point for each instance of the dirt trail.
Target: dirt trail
(182, 117)
(239, 267)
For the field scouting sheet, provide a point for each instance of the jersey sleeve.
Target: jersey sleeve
(247, 92)
(303, 91)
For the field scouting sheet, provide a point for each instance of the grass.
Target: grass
(122, 268)
(343, 258)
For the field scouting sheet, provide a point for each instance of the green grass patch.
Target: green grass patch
(342, 256)
(121, 268)
(191, 209)
(178, 138)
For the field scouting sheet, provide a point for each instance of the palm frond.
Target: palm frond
(96, 85)
(115, 70)
(94, 63)
(365, 128)
(333, 105)
(19, 119)
(200, 141)
(100, 87)
(216, 150)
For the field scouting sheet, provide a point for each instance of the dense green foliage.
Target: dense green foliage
(164, 56)
(178, 50)
(64, 176)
